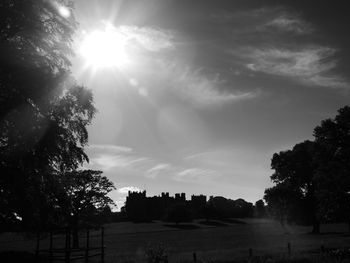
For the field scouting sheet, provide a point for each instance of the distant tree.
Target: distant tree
(178, 213)
(260, 209)
(294, 175)
(226, 208)
(209, 212)
(222, 206)
(83, 196)
(241, 208)
(43, 112)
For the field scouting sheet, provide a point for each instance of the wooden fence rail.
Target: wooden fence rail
(68, 253)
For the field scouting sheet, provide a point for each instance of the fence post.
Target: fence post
(50, 249)
(102, 245)
(194, 257)
(37, 244)
(67, 256)
(289, 249)
(87, 246)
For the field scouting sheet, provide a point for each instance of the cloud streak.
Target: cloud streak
(289, 23)
(199, 89)
(148, 38)
(161, 168)
(310, 66)
(202, 90)
(196, 175)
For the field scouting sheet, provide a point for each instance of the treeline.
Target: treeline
(312, 180)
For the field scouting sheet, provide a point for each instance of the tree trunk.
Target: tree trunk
(75, 237)
(316, 227)
(75, 231)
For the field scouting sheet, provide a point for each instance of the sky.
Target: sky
(204, 92)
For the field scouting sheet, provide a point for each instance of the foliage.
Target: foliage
(313, 177)
(82, 197)
(260, 210)
(84, 193)
(333, 140)
(228, 208)
(209, 212)
(178, 213)
(43, 112)
(295, 185)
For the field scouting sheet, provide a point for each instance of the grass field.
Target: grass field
(127, 242)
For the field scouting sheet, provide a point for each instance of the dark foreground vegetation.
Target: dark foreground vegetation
(44, 115)
(223, 242)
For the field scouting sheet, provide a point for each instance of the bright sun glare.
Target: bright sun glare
(104, 48)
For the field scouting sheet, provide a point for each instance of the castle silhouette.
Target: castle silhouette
(139, 207)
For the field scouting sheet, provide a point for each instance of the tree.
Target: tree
(282, 202)
(178, 213)
(83, 195)
(333, 140)
(43, 112)
(295, 172)
(209, 212)
(260, 209)
(318, 173)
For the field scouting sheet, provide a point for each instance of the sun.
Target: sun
(104, 48)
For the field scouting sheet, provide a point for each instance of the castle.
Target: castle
(139, 207)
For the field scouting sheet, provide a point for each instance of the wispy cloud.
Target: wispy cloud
(158, 169)
(289, 23)
(106, 161)
(200, 89)
(203, 90)
(279, 41)
(150, 39)
(278, 18)
(110, 148)
(311, 66)
(106, 157)
(196, 175)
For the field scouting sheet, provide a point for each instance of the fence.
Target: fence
(68, 253)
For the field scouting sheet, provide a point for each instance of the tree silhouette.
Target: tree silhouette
(83, 195)
(295, 169)
(314, 176)
(43, 112)
(282, 202)
(178, 213)
(260, 209)
(333, 139)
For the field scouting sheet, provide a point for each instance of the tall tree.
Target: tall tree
(83, 195)
(295, 170)
(318, 171)
(43, 112)
(333, 139)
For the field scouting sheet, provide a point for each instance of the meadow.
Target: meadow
(219, 241)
